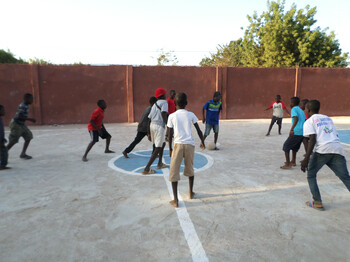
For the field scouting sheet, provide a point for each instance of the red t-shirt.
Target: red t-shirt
(97, 117)
(171, 105)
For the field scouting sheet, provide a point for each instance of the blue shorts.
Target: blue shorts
(208, 127)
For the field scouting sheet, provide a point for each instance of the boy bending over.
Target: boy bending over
(179, 125)
(323, 137)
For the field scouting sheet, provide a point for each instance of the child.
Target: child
(97, 129)
(328, 151)
(3, 149)
(302, 107)
(211, 119)
(295, 138)
(19, 129)
(141, 128)
(277, 114)
(171, 102)
(156, 130)
(179, 125)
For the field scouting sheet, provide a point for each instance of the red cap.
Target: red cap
(159, 92)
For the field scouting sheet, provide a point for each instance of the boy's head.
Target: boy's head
(180, 100)
(152, 100)
(303, 103)
(294, 101)
(2, 110)
(278, 98)
(172, 94)
(160, 93)
(216, 97)
(28, 99)
(102, 104)
(313, 107)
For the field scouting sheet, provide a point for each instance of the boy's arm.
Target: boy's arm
(310, 148)
(200, 134)
(267, 108)
(165, 117)
(203, 113)
(149, 130)
(291, 133)
(95, 126)
(23, 118)
(287, 111)
(170, 132)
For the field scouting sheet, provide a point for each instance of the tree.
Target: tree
(281, 39)
(38, 61)
(8, 57)
(166, 58)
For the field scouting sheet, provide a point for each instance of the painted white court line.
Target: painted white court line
(195, 245)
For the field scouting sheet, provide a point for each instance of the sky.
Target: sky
(132, 32)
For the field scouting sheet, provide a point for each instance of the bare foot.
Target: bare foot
(286, 166)
(293, 164)
(26, 157)
(109, 151)
(174, 203)
(191, 195)
(84, 159)
(267, 134)
(4, 167)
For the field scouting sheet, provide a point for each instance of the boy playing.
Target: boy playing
(179, 125)
(141, 128)
(277, 114)
(156, 130)
(302, 106)
(97, 129)
(19, 129)
(211, 119)
(323, 137)
(295, 138)
(171, 102)
(3, 149)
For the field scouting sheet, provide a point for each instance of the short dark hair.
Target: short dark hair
(304, 101)
(27, 95)
(99, 102)
(172, 91)
(217, 94)
(314, 106)
(181, 99)
(295, 100)
(279, 96)
(152, 100)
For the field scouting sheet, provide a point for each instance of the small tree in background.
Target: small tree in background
(166, 58)
(8, 57)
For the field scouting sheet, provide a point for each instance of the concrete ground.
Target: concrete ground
(57, 208)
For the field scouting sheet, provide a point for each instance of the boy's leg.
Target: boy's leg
(174, 172)
(188, 170)
(15, 134)
(286, 149)
(3, 157)
(94, 139)
(279, 123)
(28, 136)
(107, 136)
(338, 166)
(216, 134)
(273, 120)
(317, 161)
(294, 157)
(160, 160)
(151, 160)
(207, 130)
(138, 138)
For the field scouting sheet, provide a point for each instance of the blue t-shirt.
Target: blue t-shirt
(298, 129)
(213, 111)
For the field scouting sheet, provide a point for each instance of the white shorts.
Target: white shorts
(157, 134)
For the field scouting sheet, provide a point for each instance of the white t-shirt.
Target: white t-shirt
(156, 114)
(327, 140)
(181, 121)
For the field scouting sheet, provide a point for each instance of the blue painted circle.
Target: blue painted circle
(137, 161)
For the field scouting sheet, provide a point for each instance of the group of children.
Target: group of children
(320, 138)
(168, 120)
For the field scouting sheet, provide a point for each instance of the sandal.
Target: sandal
(162, 166)
(149, 172)
(315, 205)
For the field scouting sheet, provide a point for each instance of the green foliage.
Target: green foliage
(8, 57)
(279, 38)
(166, 58)
(38, 61)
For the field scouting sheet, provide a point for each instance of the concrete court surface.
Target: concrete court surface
(57, 208)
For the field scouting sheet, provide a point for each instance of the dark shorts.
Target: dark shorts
(17, 131)
(277, 120)
(293, 143)
(209, 127)
(94, 134)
